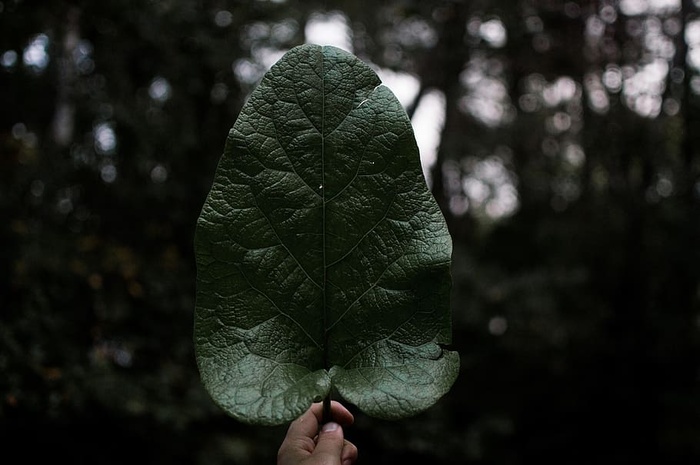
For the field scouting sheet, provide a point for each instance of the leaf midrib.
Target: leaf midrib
(326, 331)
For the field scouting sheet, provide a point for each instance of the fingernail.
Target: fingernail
(330, 426)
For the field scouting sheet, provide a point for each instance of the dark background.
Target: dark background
(567, 170)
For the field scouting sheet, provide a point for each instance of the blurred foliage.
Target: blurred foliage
(567, 168)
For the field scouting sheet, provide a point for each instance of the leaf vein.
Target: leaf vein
(281, 242)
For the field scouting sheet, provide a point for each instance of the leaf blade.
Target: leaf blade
(319, 220)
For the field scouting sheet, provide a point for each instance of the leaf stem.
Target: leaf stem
(326, 416)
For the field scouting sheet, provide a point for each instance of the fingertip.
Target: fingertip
(330, 440)
(341, 414)
(349, 453)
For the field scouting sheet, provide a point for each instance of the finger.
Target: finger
(330, 444)
(308, 423)
(349, 454)
(340, 414)
(299, 441)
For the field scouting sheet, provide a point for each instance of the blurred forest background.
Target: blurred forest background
(561, 139)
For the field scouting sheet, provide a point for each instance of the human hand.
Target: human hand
(304, 444)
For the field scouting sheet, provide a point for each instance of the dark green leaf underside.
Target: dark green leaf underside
(323, 260)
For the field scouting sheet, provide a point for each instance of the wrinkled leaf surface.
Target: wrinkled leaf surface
(323, 261)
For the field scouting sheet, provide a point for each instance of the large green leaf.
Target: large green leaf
(323, 260)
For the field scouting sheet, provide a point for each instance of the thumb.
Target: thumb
(330, 444)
